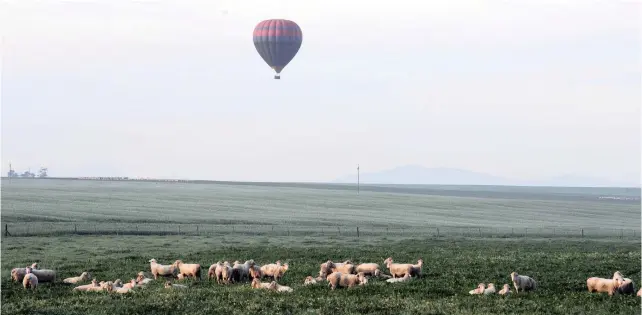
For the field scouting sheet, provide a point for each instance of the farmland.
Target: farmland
(454, 262)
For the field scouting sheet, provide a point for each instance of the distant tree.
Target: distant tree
(43, 172)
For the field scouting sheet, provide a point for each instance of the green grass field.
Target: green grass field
(453, 263)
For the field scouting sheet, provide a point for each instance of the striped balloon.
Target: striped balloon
(277, 41)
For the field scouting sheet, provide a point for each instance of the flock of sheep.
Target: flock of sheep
(344, 274)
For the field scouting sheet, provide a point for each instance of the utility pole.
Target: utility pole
(358, 179)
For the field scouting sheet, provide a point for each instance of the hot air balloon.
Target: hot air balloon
(277, 41)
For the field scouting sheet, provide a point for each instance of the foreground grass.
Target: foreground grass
(451, 268)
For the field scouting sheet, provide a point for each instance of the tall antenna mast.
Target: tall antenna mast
(358, 179)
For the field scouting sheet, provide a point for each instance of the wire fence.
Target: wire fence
(89, 228)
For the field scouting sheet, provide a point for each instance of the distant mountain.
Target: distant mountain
(419, 175)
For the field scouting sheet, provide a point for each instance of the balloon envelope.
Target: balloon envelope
(277, 41)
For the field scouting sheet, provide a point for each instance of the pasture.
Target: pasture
(454, 261)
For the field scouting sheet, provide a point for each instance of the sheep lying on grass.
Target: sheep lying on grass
(402, 279)
(505, 290)
(188, 270)
(86, 287)
(338, 279)
(639, 292)
(600, 285)
(279, 288)
(523, 283)
(490, 289)
(479, 290)
(29, 281)
(257, 284)
(141, 280)
(85, 276)
(309, 280)
(17, 274)
(162, 270)
(169, 285)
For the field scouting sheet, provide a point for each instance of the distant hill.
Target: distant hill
(419, 175)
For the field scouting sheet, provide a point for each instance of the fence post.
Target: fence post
(480, 235)
(288, 231)
(179, 229)
(6, 230)
(512, 231)
(621, 233)
(357, 231)
(525, 231)
(322, 233)
(339, 230)
(75, 229)
(387, 232)
(437, 232)
(197, 232)
(582, 233)
(233, 229)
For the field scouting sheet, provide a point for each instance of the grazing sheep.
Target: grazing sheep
(309, 280)
(595, 284)
(255, 272)
(402, 279)
(274, 271)
(85, 276)
(85, 287)
(226, 273)
(626, 287)
(215, 271)
(330, 267)
(29, 281)
(188, 270)
(415, 271)
(525, 283)
(279, 288)
(490, 289)
(17, 274)
(398, 270)
(338, 279)
(162, 270)
(240, 271)
(639, 292)
(505, 290)
(44, 275)
(479, 290)
(257, 284)
(169, 285)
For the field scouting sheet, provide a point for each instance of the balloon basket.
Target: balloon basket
(277, 77)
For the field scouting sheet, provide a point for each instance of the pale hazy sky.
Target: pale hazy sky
(521, 89)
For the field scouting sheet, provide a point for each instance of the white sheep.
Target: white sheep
(240, 271)
(398, 270)
(162, 270)
(188, 270)
(626, 287)
(274, 271)
(309, 280)
(523, 283)
(505, 290)
(479, 290)
(490, 289)
(257, 284)
(595, 284)
(29, 281)
(17, 274)
(405, 278)
(85, 276)
(279, 288)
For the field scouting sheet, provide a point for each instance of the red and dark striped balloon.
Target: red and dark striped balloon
(277, 41)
